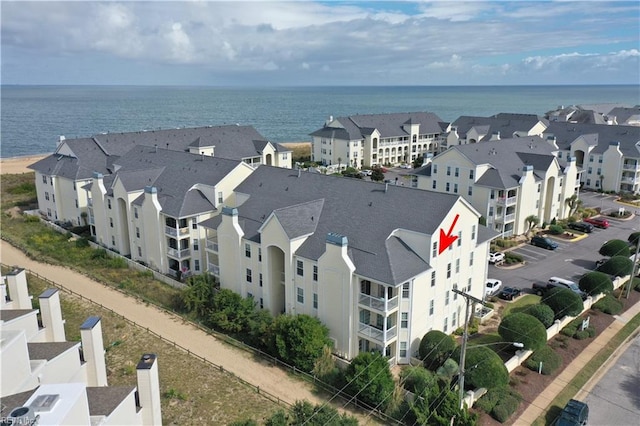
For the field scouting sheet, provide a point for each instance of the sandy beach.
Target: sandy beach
(17, 165)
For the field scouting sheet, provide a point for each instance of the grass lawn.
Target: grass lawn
(520, 304)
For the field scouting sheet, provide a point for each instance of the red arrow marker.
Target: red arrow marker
(447, 239)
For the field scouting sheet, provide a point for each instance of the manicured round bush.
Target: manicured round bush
(556, 229)
(505, 408)
(435, 348)
(633, 238)
(543, 312)
(563, 302)
(483, 368)
(636, 283)
(595, 282)
(618, 266)
(523, 328)
(592, 331)
(549, 358)
(615, 248)
(581, 334)
(609, 305)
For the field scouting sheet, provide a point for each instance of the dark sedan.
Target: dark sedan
(509, 293)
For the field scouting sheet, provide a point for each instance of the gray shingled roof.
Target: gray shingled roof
(173, 174)
(11, 314)
(504, 123)
(624, 115)
(507, 158)
(598, 134)
(360, 210)
(16, 400)
(49, 350)
(355, 127)
(104, 399)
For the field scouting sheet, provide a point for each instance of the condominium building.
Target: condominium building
(49, 381)
(505, 180)
(613, 114)
(376, 263)
(377, 139)
(61, 176)
(608, 156)
(150, 203)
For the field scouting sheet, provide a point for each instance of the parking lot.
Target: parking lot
(570, 260)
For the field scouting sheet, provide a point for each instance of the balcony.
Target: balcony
(174, 232)
(634, 167)
(627, 179)
(213, 269)
(378, 303)
(506, 201)
(179, 254)
(212, 245)
(380, 336)
(92, 220)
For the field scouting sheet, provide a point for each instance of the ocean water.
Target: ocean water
(33, 117)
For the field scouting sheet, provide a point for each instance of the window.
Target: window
(405, 290)
(300, 268)
(315, 272)
(589, 170)
(455, 188)
(220, 198)
(448, 170)
(137, 232)
(46, 196)
(446, 325)
(561, 178)
(284, 155)
(588, 182)
(109, 203)
(447, 188)
(403, 349)
(471, 259)
(591, 159)
(261, 303)
(259, 254)
(538, 203)
(431, 304)
(600, 160)
(249, 277)
(196, 264)
(111, 222)
(493, 194)
(51, 180)
(453, 320)
(49, 212)
(76, 204)
(448, 270)
(196, 245)
(260, 278)
(433, 184)
(446, 297)
(44, 179)
(53, 197)
(459, 238)
(473, 232)
(315, 300)
(194, 224)
(435, 169)
(434, 249)
(457, 266)
(140, 251)
(457, 172)
(247, 250)
(470, 191)
(471, 174)
(539, 187)
(135, 212)
(469, 285)
(113, 240)
(490, 211)
(433, 278)
(300, 296)
(404, 323)
(599, 172)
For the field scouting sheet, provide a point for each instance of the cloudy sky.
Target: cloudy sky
(264, 43)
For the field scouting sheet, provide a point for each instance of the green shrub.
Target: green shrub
(581, 334)
(633, 238)
(99, 254)
(82, 243)
(549, 358)
(524, 328)
(484, 368)
(31, 218)
(592, 331)
(511, 258)
(569, 331)
(435, 348)
(556, 229)
(563, 302)
(595, 282)
(543, 312)
(615, 248)
(609, 305)
(636, 283)
(505, 408)
(617, 266)
(473, 328)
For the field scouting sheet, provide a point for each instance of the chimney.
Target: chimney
(61, 139)
(93, 350)
(18, 292)
(51, 315)
(149, 390)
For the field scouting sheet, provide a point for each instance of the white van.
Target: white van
(561, 282)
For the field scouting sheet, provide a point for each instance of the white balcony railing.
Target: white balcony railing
(373, 333)
(90, 201)
(171, 231)
(179, 253)
(213, 269)
(212, 245)
(631, 167)
(378, 303)
(506, 201)
(510, 218)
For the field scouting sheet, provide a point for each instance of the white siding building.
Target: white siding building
(368, 260)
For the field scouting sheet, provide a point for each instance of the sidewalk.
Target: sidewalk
(546, 398)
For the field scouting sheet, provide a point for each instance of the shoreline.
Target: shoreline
(16, 165)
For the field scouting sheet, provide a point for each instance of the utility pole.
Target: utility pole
(634, 269)
(465, 336)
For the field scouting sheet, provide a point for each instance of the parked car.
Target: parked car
(598, 222)
(544, 242)
(600, 262)
(509, 293)
(492, 286)
(581, 226)
(496, 257)
(553, 282)
(406, 166)
(367, 172)
(575, 413)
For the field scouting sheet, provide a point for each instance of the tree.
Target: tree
(299, 339)
(563, 302)
(574, 204)
(594, 283)
(369, 379)
(483, 368)
(259, 326)
(448, 370)
(418, 162)
(523, 328)
(377, 175)
(543, 312)
(231, 312)
(615, 248)
(325, 366)
(435, 348)
(198, 295)
(532, 221)
(303, 412)
(618, 266)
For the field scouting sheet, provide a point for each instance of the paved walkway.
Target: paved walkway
(260, 373)
(547, 397)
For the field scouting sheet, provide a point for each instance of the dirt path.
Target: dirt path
(173, 328)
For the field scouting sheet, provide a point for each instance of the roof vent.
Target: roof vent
(23, 416)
